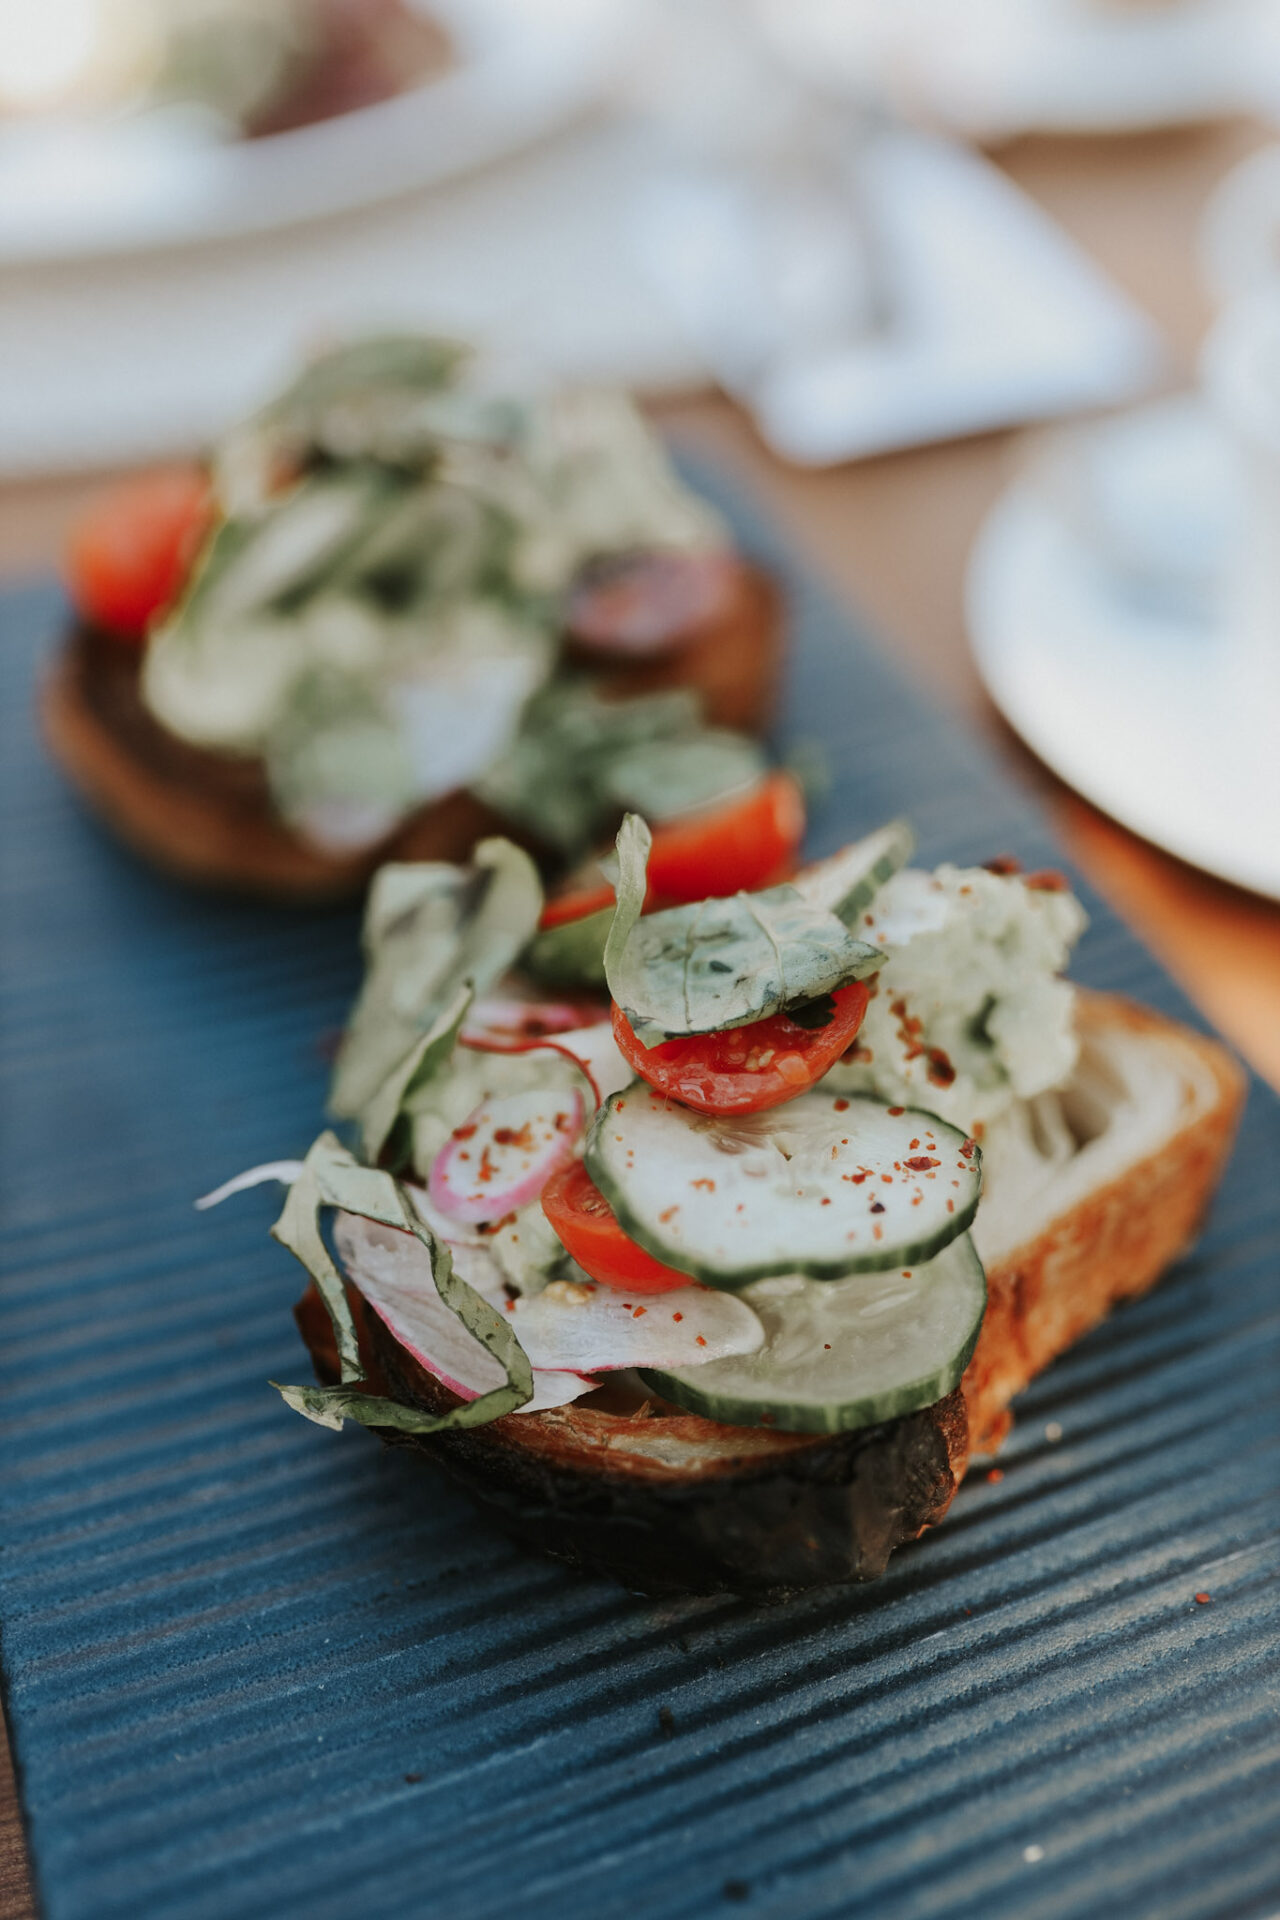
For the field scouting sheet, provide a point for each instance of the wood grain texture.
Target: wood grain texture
(893, 535)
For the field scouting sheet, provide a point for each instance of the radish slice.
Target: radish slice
(571, 1325)
(496, 1019)
(393, 1272)
(503, 1154)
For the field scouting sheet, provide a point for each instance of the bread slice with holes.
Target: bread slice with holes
(208, 817)
(1091, 1194)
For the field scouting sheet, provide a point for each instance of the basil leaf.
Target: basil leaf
(424, 1059)
(556, 779)
(333, 1177)
(330, 1406)
(665, 779)
(720, 963)
(429, 928)
(298, 1229)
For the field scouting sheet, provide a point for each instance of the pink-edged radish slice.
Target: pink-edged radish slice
(510, 1020)
(393, 1272)
(503, 1154)
(574, 1325)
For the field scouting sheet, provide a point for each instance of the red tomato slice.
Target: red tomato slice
(576, 904)
(131, 552)
(737, 846)
(586, 1223)
(747, 1068)
(747, 843)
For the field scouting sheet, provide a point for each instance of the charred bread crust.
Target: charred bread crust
(667, 1501)
(208, 818)
(1110, 1246)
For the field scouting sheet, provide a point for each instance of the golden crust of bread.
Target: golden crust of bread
(1042, 1296)
(208, 818)
(1115, 1243)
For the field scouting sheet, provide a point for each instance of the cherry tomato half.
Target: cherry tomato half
(589, 1229)
(131, 552)
(741, 845)
(745, 1069)
(747, 843)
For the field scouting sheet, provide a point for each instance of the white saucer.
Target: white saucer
(1135, 697)
(520, 68)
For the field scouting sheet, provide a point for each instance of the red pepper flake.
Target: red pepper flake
(842, 1106)
(914, 1145)
(855, 1179)
(951, 1206)
(826, 1346)
(669, 1215)
(464, 1132)
(877, 1232)
(995, 1475)
(922, 1163)
(1203, 1599)
(895, 1112)
(826, 1200)
(637, 1311)
(699, 1340)
(877, 1206)
(677, 1316)
(521, 1137)
(708, 1186)
(1004, 863)
(1048, 880)
(487, 1169)
(966, 1151)
(618, 1105)
(979, 1129)
(940, 1069)
(887, 1178)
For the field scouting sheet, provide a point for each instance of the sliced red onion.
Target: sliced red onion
(393, 1272)
(503, 1154)
(285, 1171)
(571, 1325)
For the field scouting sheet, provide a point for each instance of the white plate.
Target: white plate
(1139, 704)
(993, 69)
(521, 68)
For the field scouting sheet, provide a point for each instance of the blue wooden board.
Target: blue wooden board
(255, 1669)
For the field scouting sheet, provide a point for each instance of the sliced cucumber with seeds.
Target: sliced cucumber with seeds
(822, 1186)
(847, 1354)
(847, 882)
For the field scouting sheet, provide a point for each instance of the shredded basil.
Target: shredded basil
(332, 1177)
(428, 928)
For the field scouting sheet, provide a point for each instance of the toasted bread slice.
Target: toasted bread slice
(1078, 1220)
(208, 818)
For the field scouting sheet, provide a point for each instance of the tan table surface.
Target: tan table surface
(892, 536)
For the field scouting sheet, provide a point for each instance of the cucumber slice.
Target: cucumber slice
(847, 882)
(571, 954)
(844, 1355)
(823, 1186)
